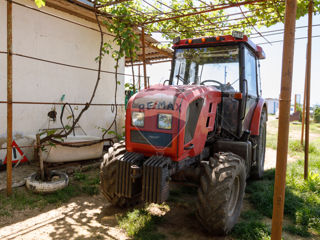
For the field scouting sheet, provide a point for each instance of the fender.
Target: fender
(255, 122)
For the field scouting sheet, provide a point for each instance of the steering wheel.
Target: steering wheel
(214, 81)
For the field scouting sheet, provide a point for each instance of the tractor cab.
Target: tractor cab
(228, 63)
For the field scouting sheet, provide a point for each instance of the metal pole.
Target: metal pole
(283, 130)
(308, 76)
(304, 109)
(9, 97)
(144, 57)
(139, 76)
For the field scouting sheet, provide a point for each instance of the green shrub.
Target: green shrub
(316, 114)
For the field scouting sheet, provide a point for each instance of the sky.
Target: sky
(272, 65)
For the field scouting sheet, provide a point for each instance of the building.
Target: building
(273, 105)
(54, 51)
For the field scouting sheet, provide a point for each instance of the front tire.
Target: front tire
(221, 192)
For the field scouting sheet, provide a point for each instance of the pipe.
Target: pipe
(144, 57)
(283, 129)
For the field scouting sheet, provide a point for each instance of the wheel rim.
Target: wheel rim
(234, 195)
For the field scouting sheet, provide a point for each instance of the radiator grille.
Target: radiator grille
(151, 138)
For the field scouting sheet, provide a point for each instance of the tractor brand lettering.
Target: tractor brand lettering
(157, 105)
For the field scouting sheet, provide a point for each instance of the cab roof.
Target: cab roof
(215, 41)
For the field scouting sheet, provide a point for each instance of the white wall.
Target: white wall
(39, 35)
(273, 105)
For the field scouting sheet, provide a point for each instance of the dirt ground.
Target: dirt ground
(88, 217)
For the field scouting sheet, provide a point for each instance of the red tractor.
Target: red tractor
(207, 124)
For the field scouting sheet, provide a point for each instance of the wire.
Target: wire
(280, 41)
(63, 64)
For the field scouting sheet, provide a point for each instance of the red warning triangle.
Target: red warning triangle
(17, 154)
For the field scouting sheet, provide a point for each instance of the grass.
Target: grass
(22, 199)
(250, 227)
(140, 224)
(253, 230)
(302, 199)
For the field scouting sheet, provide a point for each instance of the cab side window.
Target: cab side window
(251, 72)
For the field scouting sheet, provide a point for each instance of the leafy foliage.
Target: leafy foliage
(40, 3)
(258, 14)
(123, 29)
(128, 16)
(316, 116)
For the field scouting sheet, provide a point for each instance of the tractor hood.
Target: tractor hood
(167, 118)
(168, 97)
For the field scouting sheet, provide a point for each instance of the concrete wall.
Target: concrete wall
(41, 36)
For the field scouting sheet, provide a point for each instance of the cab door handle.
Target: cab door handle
(189, 147)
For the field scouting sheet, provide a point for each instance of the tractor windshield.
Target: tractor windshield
(217, 66)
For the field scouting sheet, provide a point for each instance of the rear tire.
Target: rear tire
(257, 169)
(108, 171)
(221, 192)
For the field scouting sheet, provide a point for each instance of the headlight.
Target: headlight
(164, 121)
(138, 119)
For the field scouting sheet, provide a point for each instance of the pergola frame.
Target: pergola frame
(286, 82)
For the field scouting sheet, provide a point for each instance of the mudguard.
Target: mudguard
(255, 122)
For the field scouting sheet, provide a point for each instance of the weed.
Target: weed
(140, 224)
(251, 215)
(5, 212)
(79, 176)
(252, 230)
(301, 231)
(295, 146)
(302, 199)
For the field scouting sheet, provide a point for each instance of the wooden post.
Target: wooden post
(40, 157)
(308, 76)
(144, 57)
(9, 97)
(284, 113)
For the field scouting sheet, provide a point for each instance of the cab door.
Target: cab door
(250, 85)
